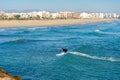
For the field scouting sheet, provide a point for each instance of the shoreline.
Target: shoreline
(58, 22)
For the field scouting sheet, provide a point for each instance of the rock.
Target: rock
(6, 76)
(17, 78)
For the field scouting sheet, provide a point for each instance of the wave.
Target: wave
(18, 41)
(35, 28)
(4, 35)
(1, 30)
(109, 33)
(96, 57)
(32, 28)
(17, 30)
(27, 40)
(97, 30)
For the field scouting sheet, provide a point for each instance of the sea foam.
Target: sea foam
(109, 33)
(1, 30)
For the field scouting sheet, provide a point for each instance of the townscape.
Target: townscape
(58, 15)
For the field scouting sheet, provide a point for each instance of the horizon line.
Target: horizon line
(31, 10)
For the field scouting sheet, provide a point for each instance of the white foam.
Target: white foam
(110, 33)
(97, 30)
(1, 30)
(95, 57)
(33, 28)
(61, 54)
(115, 33)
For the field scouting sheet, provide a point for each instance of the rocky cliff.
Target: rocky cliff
(6, 76)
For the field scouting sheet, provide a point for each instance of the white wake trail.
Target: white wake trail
(96, 57)
(61, 54)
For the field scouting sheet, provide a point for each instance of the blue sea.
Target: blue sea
(34, 53)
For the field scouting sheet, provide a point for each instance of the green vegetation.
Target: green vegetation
(17, 17)
(3, 17)
(119, 17)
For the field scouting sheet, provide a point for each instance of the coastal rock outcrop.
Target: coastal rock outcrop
(6, 76)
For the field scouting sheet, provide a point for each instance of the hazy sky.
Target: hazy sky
(62, 5)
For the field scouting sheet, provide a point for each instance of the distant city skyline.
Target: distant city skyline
(62, 5)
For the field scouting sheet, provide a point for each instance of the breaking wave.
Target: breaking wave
(1, 30)
(109, 33)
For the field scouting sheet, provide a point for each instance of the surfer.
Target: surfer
(64, 50)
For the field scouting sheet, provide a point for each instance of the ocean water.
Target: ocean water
(33, 52)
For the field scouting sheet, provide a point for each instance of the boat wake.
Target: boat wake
(96, 57)
(61, 54)
(91, 57)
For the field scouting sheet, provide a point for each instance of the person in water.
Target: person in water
(64, 50)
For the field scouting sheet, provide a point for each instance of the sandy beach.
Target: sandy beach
(27, 23)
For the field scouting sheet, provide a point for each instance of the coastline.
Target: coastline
(28, 23)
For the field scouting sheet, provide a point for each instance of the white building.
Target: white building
(55, 15)
(84, 15)
(114, 15)
(101, 15)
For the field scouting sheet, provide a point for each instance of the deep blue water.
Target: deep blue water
(94, 52)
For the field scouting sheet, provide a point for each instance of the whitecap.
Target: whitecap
(1, 30)
(33, 28)
(108, 33)
(97, 30)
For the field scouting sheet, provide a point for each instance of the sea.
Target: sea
(35, 53)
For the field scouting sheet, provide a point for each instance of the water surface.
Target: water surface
(94, 52)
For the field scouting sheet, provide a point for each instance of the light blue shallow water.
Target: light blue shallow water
(94, 52)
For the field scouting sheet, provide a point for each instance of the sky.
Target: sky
(62, 5)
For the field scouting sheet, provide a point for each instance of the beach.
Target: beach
(25, 23)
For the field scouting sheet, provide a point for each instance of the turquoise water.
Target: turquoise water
(94, 52)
